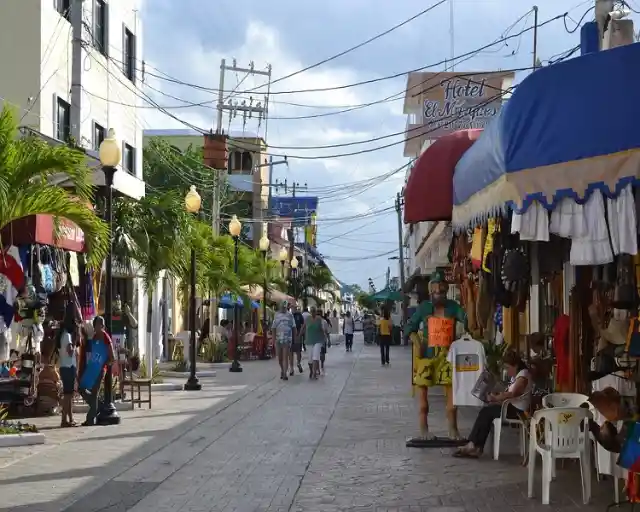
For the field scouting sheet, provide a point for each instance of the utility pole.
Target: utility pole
(535, 37)
(401, 255)
(76, 71)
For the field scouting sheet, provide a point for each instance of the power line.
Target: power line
(353, 48)
(380, 79)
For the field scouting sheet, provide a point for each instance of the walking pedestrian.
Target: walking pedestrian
(315, 336)
(296, 346)
(95, 356)
(305, 315)
(348, 328)
(384, 331)
(68, 340)
(284, 331)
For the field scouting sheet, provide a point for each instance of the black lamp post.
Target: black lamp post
(192, 203)
(264, 248)
(235, 228)
(294, 276)
(109, 153)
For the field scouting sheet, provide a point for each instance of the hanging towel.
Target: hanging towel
(595, 247)
(476, 248)
(492, 227)
(568, 219)
(74, 273)
(533, 225)
(621, 214)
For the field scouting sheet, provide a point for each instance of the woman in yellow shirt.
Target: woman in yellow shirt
(384, 330)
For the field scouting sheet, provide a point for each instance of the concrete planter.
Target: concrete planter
(25, 439)
(185, 375)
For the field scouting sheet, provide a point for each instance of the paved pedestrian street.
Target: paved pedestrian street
(251, 442)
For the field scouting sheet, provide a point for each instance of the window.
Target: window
(63, 120)
(129, 55)
(247, 161)
(129, 158)
(99, 134)
(100, 26)
(63, 7)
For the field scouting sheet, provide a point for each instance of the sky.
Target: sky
(357, 225)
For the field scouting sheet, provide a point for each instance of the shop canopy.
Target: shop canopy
(231, 301)
(569, 129)
(388, 295)
(428, 194)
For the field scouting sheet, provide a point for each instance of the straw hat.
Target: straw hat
(616, 332)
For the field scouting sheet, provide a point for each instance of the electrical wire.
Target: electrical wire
(353, 48)
(579, 23)
(383, 78)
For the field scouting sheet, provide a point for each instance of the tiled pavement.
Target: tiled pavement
(332, 445)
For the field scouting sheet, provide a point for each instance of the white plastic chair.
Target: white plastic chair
(564, 400)
(574, 400)
(498, 423)
(566, 436)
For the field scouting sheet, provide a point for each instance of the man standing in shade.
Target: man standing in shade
(432, 329)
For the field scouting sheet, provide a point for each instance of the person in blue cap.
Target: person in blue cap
(432, 329)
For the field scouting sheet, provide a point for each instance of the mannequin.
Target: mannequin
(121, 322)
(437, 318)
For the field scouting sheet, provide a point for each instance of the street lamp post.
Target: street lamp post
(264, 248)
(109, 153)
(235, 228)
(192, 203)
(283, 256)
(294, 275)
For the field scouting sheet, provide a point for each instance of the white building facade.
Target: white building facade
(36, 56)
(38, 80)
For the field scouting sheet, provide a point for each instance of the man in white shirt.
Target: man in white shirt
(348, 328)
(305, 315)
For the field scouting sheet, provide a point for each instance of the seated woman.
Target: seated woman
(519, 395)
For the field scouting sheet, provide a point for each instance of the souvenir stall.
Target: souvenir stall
(40, 275)
(557, 172)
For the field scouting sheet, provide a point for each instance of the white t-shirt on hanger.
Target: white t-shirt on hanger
(468, 361)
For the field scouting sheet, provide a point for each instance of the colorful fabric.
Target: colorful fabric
(283, 324)
(433, 370)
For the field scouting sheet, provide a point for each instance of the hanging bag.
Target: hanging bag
(59, 267)
(46, 272)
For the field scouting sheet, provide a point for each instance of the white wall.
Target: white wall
(41, 69)
(35, 59)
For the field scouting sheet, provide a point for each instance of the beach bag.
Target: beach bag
(97, 354)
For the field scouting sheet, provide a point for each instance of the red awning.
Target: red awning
(39, 229)
(428, 195)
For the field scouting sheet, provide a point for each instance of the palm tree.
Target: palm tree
(318, 279)
(27, 165)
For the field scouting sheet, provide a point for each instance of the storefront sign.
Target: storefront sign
(449, 102)
(39, 229)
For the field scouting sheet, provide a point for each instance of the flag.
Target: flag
(12, 280)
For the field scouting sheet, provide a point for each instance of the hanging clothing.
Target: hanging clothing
(568, 219)
(623, 229)
(595, 247)
(468, 361)
(533, 225)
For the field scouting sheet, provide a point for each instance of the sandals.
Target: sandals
(300, 368)
(465, 454)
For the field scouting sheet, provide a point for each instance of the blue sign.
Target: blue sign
(299, 208)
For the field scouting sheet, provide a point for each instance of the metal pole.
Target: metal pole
(400, 241)
(535, 37)
(76, 15)
(223, 67)
(264, 307)
(192, 383)
(108, 415)
(235, 365)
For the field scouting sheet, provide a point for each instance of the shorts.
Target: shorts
(68, 377)
(283, 343)
(316, 350)
(296, 347)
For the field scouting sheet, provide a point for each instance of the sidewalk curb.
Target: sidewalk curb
(26, 439)
(185, 375)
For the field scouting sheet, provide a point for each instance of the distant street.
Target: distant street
(250, 442)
